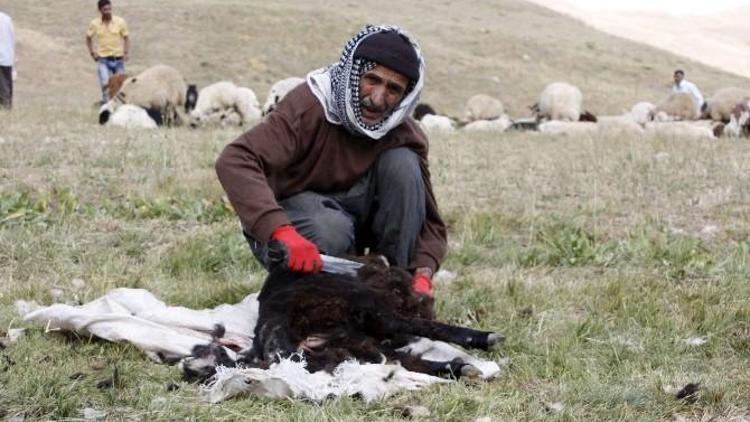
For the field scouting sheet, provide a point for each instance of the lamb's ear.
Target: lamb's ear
(104, 116)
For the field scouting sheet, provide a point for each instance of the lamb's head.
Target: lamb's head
(204, 358)
(270, 104)
(196, 120)
(397, 284)
(536, 112)
(106, 111)
(587, 116)
(422, 110)
(191, 98)
(705, 111)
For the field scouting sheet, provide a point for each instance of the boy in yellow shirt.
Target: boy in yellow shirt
(110, 33)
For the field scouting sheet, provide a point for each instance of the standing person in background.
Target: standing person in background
(110, 33)
(683, 85)
(7, 59)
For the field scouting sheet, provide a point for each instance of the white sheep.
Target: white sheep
(643, 112)
(719, 107)
(278, 91)
(681, 130)
(160, 88)
(560, 101)
(483, 107)
(501, 124)
(623, 124)
(221, 99)
(677, 106)
(437, 123)
(559, 127)
(131, 116)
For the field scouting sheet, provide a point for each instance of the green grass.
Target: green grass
(591, 255)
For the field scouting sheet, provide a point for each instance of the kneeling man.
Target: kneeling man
(339, 166)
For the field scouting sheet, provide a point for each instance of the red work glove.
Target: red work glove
(302, 255)
(422, 284)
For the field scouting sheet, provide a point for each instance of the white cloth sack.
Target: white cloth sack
(170, 333)
(162, 332)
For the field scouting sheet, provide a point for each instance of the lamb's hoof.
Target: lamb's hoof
(494, 339)
(470, 371)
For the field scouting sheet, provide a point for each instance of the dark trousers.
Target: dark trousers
(384, 211)
(6, 87)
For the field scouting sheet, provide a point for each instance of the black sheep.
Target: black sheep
(329, 318)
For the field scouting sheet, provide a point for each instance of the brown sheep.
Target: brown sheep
(719, 107)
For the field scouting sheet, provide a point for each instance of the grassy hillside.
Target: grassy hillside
(506, 48)
(598, 256)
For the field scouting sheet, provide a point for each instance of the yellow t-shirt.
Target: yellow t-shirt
(109, 37)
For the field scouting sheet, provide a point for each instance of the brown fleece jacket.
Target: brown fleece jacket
(296, 149)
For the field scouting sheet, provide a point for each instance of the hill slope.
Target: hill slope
(719, 39)
(507, 48)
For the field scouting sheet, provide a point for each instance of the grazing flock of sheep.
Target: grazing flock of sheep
(559, 110)
(160, 96)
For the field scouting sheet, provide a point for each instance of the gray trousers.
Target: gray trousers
(384, 211)
(6, 87)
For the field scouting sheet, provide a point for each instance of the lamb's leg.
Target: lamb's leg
(179, 115)
(203, 360)
(243, 117)
(456, 368)
(434, 330)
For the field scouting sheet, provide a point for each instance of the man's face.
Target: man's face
(380, 91)
(678, 78)
(106, 11)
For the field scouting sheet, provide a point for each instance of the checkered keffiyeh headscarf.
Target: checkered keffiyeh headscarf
(337, 88)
